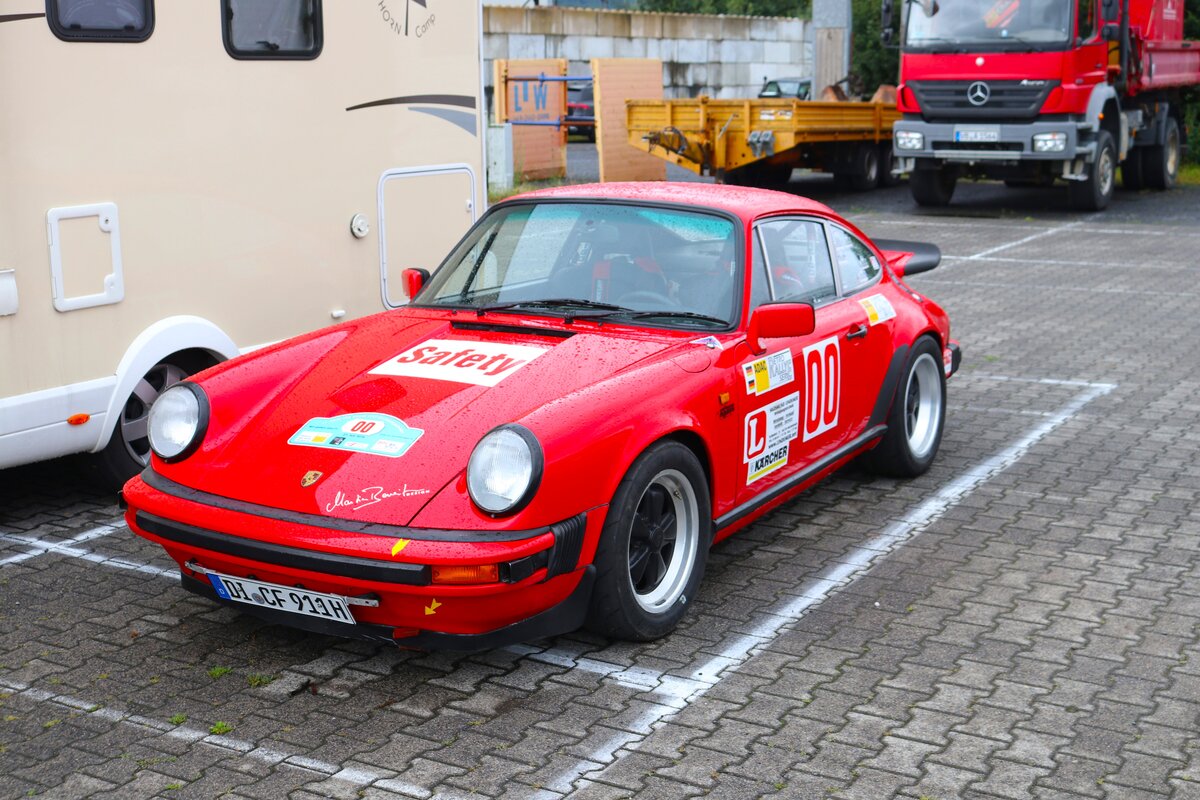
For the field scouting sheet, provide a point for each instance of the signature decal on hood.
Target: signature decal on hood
(369, 433)
(369, 497)
(480, 363)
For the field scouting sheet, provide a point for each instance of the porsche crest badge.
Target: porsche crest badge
(310, 477)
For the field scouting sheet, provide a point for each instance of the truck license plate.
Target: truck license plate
(281, 598)
(990, 134)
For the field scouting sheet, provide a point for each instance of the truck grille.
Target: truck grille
(994, 100)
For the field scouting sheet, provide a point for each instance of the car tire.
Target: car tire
(653, 547)
(916, 418)
(128, 450)
(1161, 162)
(1133, 170)
(932, 187)
(1095, 193)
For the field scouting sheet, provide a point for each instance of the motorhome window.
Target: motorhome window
(1087, 19)
(101, 20)
(272, 29)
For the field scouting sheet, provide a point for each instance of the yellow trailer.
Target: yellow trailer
(760, 141)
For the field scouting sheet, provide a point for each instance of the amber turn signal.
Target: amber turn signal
(78, 419)
(478, 573)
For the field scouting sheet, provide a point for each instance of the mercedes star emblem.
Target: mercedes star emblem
(978, 93)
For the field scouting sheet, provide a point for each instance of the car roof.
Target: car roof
(745, 202)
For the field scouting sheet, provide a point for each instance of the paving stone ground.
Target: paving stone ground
(1020, 622)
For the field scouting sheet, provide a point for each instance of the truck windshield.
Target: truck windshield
(983, 25)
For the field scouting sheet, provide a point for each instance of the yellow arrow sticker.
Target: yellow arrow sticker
(432, 608)
(400, 545)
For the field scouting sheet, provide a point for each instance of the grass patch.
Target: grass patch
(217, 672)
(220, 728)
(1189, 174)
(258, 680)
(178, 719)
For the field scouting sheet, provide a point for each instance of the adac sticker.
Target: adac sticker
(480, 363)
(879, 308)
(768, 435)
(369, 433)
(769, 372)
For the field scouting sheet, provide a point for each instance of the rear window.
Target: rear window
(101, 20)
(272, 29)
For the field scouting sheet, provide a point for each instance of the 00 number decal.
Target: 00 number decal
(823, 386)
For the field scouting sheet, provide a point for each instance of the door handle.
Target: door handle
(858, 332)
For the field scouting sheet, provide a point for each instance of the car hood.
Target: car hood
(369, 420)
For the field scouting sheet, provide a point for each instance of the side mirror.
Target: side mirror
(413, 280)
(1108, 11)
(779, 320)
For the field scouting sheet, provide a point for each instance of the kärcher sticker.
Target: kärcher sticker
(768, 434)
(479, 363)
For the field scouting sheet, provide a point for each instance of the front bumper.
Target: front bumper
(1012, 141)
(543, 588)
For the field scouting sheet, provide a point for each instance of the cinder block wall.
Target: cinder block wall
(720, 56)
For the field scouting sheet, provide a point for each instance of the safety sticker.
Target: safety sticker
(479, 363)
(879, 308)
(369, 433)
(768, 435)
(769, 372)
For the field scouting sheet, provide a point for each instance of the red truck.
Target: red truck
(1032, 91)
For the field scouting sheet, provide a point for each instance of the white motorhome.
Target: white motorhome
(184, 180)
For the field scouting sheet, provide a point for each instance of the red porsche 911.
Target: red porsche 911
(595, 386)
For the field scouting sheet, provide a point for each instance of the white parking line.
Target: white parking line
(828, 582)
(1026, 288)
(38, 547)
(354, 775)
(1050, 262)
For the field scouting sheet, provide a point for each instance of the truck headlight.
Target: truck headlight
(178, 421)
(505, 470)
(1049, 142)
(909, 140)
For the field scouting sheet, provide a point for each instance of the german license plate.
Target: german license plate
(990, 134)
(281, 598)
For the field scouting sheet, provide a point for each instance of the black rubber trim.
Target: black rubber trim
(279, 555)
(68, 34)
(460, 100)
(750, 506)
(167, 486)
(19, 17)
(955, 357)
(568, 544)
(887, 392)
(362, 630)
(562, 618)
(491, 326)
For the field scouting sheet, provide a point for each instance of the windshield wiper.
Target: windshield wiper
(669, 314)
(554, 302)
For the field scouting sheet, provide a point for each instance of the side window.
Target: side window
(1087, 19)
(857, 266)
(110, 21)
(270, 29)
(797, 260)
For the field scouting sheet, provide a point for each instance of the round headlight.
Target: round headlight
(504, 470)
(178, 420)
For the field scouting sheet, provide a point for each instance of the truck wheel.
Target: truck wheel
(1161, 162)
(1133, 172)
(128, 450)
(867, 176)
(1095, 193)
(932, 187)
(653, 547)
(916, 419)
(887, 161)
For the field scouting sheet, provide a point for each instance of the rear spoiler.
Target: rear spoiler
(909, 258)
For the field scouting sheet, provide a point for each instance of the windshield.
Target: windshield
(974, 25)
(661, 266)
